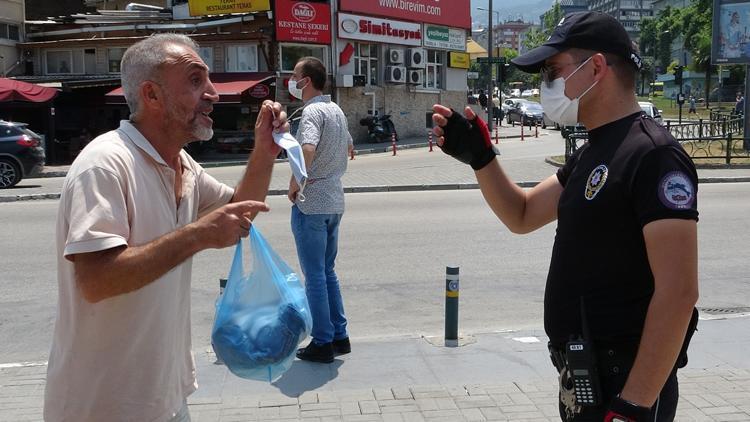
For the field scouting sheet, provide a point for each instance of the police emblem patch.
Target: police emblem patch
(676, 191)
(596, 181)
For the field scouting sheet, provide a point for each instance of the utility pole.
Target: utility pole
(490, 47)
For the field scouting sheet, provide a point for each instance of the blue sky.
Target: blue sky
(528, 10)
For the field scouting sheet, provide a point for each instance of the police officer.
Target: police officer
(622, 284)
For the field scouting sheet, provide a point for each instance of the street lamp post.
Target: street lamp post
(490, 47)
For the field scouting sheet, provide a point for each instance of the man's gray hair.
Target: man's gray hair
(141, 63)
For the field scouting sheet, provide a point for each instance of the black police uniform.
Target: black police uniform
(630, 173)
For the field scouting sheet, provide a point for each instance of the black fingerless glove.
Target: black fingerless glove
(468, 141)
(624, 411)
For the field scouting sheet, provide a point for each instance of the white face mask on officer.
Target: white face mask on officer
(557, 106)
(294, 90)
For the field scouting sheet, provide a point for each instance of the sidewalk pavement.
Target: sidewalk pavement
(498, 376)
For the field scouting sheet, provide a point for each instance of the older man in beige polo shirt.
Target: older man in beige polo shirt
(134, 209)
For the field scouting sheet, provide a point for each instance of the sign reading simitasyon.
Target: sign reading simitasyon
(368, 28)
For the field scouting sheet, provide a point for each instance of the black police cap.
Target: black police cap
(585, 30)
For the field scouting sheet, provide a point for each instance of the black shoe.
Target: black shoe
(342, 346)
(322, 353)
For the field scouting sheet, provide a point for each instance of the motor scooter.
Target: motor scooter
(379, 128)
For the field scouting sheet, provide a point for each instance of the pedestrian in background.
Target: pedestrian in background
(692, 105)
(324, 136)
(496, 110)
(483, 99)
(623, 278)
(134, 209)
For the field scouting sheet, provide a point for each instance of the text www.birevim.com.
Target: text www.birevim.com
(411, 6)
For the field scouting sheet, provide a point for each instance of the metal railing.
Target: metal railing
(703, 140)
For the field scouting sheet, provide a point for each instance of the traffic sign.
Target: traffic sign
(494, 60)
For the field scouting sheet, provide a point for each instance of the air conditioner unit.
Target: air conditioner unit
(415, 58)
(395, 74)
(415, 77)
(344, 81)
(395, 56)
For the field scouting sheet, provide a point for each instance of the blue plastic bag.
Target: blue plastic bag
(262, 317)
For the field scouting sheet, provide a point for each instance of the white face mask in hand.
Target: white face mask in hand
(557, 106)
(296, 159)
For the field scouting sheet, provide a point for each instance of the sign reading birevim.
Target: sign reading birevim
(304, 22)
(456, 13)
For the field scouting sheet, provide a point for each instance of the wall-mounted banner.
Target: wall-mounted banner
(444, 37)
(731, 41)
(459, 60)
(302, 21)
(446, 12)
(367, 28)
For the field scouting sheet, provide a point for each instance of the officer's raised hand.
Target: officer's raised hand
(465, 138)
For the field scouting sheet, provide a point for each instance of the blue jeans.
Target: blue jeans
(317, 238)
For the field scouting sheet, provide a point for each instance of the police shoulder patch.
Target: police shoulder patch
(596, 181)
(676, 191)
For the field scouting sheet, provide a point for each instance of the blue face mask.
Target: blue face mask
(296, 159)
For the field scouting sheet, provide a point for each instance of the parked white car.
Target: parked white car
(651, 110)
(527, 93)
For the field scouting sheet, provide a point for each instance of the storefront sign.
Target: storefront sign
(459, 60)
(300, 21)
(221, 7)
(389, 31)
(444, 37)
(446, 12)
(260, 91)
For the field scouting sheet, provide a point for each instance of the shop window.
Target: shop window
(291, 53)
(13, 33)
(207, 54)
(434, 71)
(366, 62)
(242, 58)
(89, 61)
(114, 57)
(59, 62)
(67, 62)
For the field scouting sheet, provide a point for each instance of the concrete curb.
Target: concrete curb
(380, 188)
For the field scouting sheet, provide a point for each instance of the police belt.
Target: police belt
(611, 358)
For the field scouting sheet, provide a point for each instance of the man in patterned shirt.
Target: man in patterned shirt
(325, 141)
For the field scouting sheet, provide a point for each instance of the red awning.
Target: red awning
(13, 90)
(232, 87)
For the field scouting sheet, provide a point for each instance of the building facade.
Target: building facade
(12, 14)
(628, 12)
(398, 59)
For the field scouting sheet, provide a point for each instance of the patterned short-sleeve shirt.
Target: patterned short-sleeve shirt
(324, 125)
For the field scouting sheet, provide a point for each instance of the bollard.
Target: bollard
(522, 131)
(451, 306)
(536, 130)
(393, 142)
(497, 133)
(429, 139)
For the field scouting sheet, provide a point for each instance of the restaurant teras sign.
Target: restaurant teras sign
(303, 22)
(222, 7)
(367, 28)
(455, 13)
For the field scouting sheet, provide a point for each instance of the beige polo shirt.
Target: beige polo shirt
(126, 358)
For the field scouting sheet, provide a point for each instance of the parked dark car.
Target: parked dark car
(21, 153)
(527, 113)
